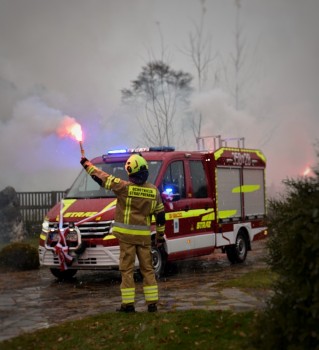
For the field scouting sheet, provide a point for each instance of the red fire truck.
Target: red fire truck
(213, 199)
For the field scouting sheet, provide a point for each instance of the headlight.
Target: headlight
(54, 237)
(72, 236)
(45, 226)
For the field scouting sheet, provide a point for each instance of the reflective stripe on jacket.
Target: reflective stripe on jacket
(135, 203)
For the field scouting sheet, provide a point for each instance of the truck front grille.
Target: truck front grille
(97, 229)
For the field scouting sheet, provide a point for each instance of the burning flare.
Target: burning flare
(76, 132)
(70, 127)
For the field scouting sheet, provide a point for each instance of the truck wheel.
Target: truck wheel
(237, 252)
(159, 257)
(63, 275)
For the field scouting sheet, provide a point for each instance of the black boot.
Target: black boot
(126, 308)
(152, 308)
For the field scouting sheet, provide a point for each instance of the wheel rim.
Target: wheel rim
(155, 258)
(241, 247)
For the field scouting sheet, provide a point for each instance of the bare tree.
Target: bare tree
(239, 74)
(238, 57)
(199, 52)
(159, 90)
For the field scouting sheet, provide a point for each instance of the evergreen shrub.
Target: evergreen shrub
(19, 256)
(291, 319)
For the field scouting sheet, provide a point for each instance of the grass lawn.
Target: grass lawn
(258, 279)
(196, 329)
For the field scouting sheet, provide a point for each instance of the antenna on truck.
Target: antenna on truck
(215, 142)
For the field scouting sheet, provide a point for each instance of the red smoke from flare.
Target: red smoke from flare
(70, 127)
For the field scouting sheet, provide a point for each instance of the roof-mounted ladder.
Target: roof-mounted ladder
(212, 143)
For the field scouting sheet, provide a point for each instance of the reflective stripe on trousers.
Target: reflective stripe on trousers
(128, 295)
(151, 294)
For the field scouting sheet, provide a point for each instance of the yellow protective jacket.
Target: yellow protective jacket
(135, 206)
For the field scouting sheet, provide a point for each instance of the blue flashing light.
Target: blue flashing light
(168, 190)
(117, 151)
(142, 149)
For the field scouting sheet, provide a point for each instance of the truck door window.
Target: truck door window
(85, 187)
(174, 177)
(198, 179)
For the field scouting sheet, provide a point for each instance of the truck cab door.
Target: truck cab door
(201, 202)
(173, 189)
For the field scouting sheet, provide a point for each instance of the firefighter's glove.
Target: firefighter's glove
(83, 161)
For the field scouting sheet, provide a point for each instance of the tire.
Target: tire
(159, 257)
(63, 275)
(237, 252)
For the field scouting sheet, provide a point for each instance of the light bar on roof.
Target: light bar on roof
(117, 151)
(137, 150)
(162, 149)
(142, 149)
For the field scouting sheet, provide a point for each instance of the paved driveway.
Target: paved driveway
(35, 299)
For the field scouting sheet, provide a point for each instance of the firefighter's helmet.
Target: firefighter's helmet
(135, 164)
(137, 169)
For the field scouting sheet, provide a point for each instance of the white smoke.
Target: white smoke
(285, 133)
(32, 153)
(35, 117)
(219, 116)
(53, 63)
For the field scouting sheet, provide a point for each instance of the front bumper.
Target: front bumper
(93, 258)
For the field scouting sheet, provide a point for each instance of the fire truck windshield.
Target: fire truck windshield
(85, 187)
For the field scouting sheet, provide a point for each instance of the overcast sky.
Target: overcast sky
(73, 57)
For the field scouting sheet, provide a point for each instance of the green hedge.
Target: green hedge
(19, 256)
(291, 320)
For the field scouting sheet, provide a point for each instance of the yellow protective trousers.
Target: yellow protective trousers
(128, 253)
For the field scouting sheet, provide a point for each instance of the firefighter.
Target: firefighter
(137, 201)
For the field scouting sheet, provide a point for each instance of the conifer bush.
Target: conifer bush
(19, 256)
(291, 319)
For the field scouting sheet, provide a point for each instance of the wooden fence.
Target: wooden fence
(34, 205)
